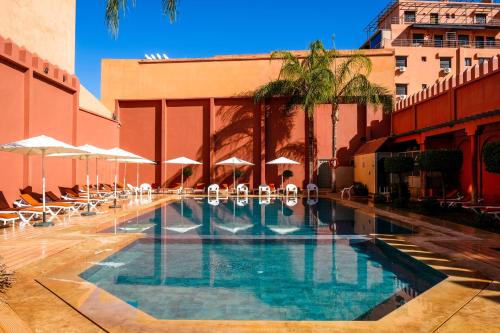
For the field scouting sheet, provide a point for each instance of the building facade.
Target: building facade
(434, 40)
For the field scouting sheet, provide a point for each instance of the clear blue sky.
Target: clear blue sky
(214, 27)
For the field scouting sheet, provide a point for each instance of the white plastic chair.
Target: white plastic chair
(264, 189)
(291, 188)
(214, 188)
(242, 189)
(146, 189)
(312, 188)
(347, 190)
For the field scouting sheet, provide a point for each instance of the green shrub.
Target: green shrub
(491, 157)
(446, 162)
(360, 189)
(239, 173)
(398, 164)
(379, 199)
(187, 172)
(400, 202)
(429, 206)
(485, 220)
(287, 174)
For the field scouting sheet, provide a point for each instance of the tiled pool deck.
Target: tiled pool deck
(49, 296)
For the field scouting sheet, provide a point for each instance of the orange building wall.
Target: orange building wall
(461, 113)
(32, 103)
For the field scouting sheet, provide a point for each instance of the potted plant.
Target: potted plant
(399, 165)
(287, 174)
(491, 157)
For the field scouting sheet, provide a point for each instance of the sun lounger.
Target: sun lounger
(54, 208)
(199, 188)
(8, 217)
(176, 189)
(78, 203)
(346, 190)
(25, 214)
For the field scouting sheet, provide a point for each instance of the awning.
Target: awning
(371, 147)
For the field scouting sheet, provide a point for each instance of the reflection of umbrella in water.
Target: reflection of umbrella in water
(234, 227)
(284, 229)
(183, 227)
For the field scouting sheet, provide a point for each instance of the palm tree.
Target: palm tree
(350, 84)
(305, 83)
(112, 14)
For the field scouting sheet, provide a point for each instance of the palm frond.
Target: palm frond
(360, 90)
(169, 8)
(277, 88)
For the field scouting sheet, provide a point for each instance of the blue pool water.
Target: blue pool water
(261, 261)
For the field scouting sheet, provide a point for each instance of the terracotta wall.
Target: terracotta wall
(37, 98)
(459, 113)
(213, 129)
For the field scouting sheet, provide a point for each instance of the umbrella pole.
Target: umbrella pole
(125, 177)
(182, 178)
(137, 181)
(88, 212)
(115, 205)
(97, 176)
(44, 222)
(234, 177)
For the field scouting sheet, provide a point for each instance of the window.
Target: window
(434, 18)
(468, 62)
(445, 63)
(452, 16)
(479, 42)
(401, 61)
(490, 41)
(480, 19)
(418, 39)
(424, 86)
(410, 17)
(401, 89)
(463, 40)
(438, 40)
(447, 15)
(424, 59)
(482, 60)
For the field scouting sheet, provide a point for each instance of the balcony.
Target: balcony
(459, 21)
(446, 43)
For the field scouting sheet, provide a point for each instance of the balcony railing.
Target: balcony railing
(459, 20)
(446, 43)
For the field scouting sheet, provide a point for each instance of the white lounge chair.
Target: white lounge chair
(291, 189)
(264, 189)
(242, 189)
(213, 189)
(312, 188)
(146, 189)
(347, 190)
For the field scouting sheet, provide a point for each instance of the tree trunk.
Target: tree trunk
(334, 117)
(443, 187)
(311, 147)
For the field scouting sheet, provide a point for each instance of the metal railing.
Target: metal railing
(446, 43)
(459, 20)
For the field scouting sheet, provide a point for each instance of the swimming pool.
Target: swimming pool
(256, 260)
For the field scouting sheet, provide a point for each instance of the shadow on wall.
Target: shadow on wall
(239, 134)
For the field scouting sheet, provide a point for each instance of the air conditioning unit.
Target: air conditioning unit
(401, 69)
(447, 70)
(400, 97)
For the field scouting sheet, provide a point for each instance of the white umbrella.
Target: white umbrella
(234, 161)
(88, 152)
(282, 161)
(137, 162)
(40, 145)
(182, 161)
(117, 154)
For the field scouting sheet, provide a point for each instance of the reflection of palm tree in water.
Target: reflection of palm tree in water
(237, 136)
